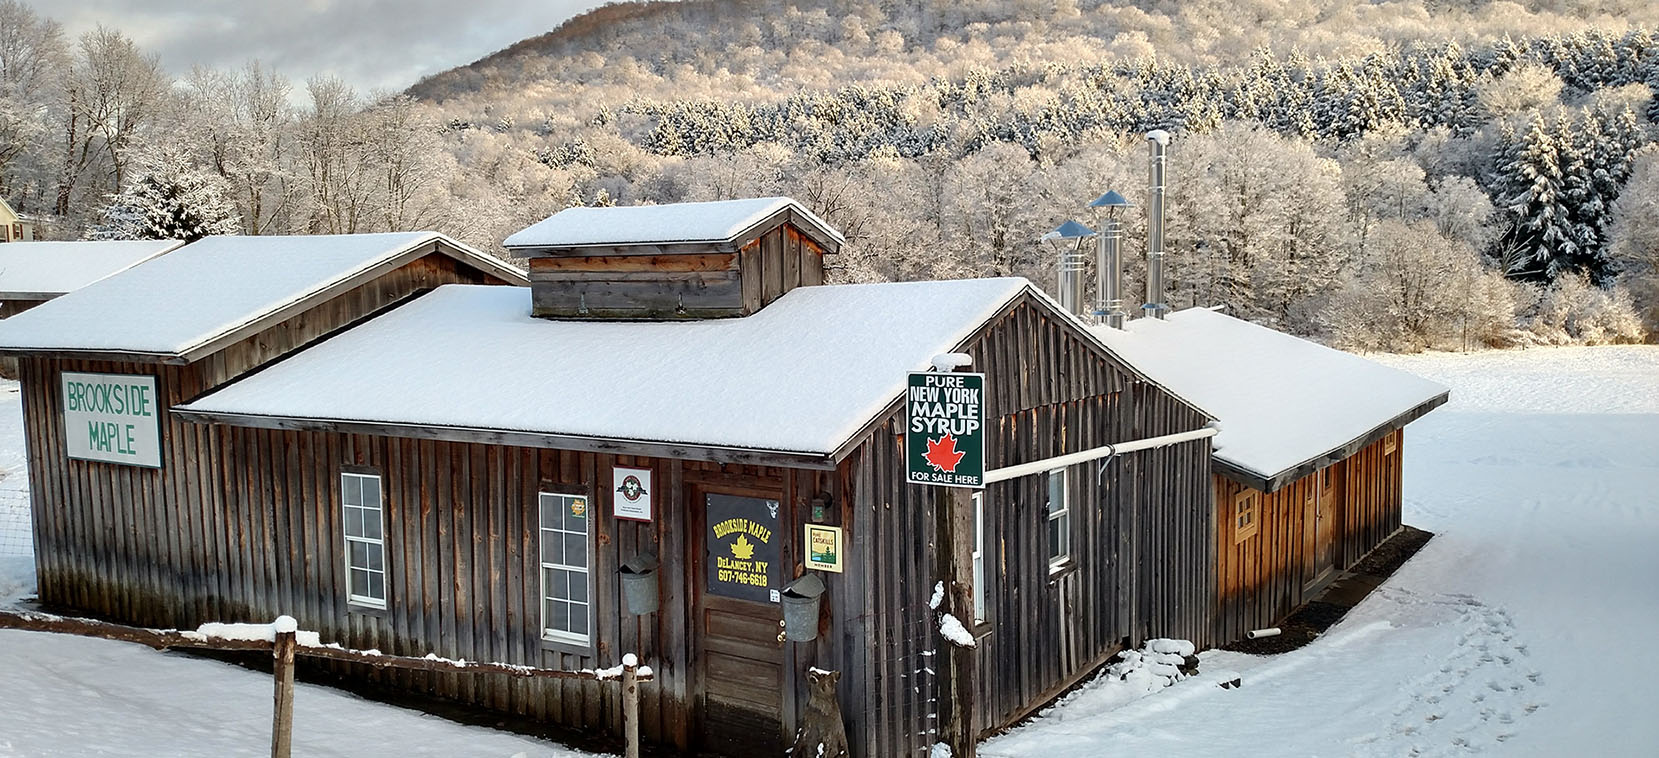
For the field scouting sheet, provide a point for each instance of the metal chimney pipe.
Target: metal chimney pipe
(1108, 306)
(1158, 141)
(1069, 239)
(1109, 284)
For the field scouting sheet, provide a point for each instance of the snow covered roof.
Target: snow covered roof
(178, 304)
(803, 375)
(1282, 401)
(719, 221)
(43, 270)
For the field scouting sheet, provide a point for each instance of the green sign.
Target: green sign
(944, 439)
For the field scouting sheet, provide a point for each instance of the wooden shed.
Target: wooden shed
(33, 272)
(457, 475)
(1307, 464)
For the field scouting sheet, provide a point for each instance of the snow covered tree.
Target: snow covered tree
(1635, 237)
(169, 198)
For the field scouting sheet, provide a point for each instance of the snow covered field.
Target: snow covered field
(1524, 628)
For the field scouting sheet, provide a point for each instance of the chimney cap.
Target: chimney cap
(1069, 230)
(1110, 200)
(1159, 136)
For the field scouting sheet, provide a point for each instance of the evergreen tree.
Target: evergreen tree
(169, 198)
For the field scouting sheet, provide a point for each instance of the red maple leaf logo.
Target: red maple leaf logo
(942, 453)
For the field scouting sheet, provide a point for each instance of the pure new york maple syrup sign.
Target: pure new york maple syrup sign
(944, 440)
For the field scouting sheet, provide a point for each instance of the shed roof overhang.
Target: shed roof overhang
(654, 449)
(1269, 483)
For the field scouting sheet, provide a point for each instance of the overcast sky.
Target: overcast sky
(372, 44)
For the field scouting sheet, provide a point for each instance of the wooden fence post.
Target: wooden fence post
(630, 703)
(282, 668)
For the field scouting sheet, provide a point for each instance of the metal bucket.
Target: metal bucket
(639, 585)
(801, 602)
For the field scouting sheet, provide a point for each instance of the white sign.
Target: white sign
(113, 418)
(631, 493)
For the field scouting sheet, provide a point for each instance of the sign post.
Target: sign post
(945, 448)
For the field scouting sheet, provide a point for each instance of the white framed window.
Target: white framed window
(1059, 518)
(979, 558)
(365, 539)
(565, 572)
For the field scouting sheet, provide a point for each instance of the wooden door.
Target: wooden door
(739, 658)
(1324, 526)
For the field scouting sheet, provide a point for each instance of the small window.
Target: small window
(979, 558)
(365, 540)
(1245, 517)
(565, 589)
(1059, 518)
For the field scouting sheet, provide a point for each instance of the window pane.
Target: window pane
(371, 491)
(547, 582)
(351, 490)
(377, 586)
(1053, 538)
(359, 582)
(574, 523)
(377, 557)
(1065, 535)
(359, 554)
(576, 550)
(578, 619)
(353, 521)
(547, 613)
(552, 512)
(371, 523)
(560, 619)
(1056, 490)
(579, 586)
(552, 547)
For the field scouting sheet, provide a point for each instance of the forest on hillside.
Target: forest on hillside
(1394, 175)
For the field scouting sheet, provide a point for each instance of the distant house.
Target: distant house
(13, 227)
(33, 272)
(1307, 464)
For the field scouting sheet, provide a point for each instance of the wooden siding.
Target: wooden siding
(1140, 530)
(1260, 579)
(699, 282)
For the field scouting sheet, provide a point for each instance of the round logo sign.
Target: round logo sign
(631, 489)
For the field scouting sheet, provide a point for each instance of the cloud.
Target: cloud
(371, 44)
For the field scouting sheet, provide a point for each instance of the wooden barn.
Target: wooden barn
(1307, 463)
(486, 472)
(33, 272)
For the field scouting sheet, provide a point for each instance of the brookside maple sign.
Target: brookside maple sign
(944, 440)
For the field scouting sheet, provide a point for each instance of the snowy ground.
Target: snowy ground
(1524, 628)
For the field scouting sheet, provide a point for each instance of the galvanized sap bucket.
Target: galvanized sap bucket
(639, 584)
(801, 600)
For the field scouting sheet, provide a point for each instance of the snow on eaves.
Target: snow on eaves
(716, 221)
(804, 374)
(1281, 400)
(174, 303)
(53, 268)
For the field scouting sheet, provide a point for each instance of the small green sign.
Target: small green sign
(944, 440)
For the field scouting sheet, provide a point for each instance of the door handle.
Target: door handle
(781, 632)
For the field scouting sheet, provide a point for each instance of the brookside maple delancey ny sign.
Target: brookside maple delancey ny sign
(944, 432)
